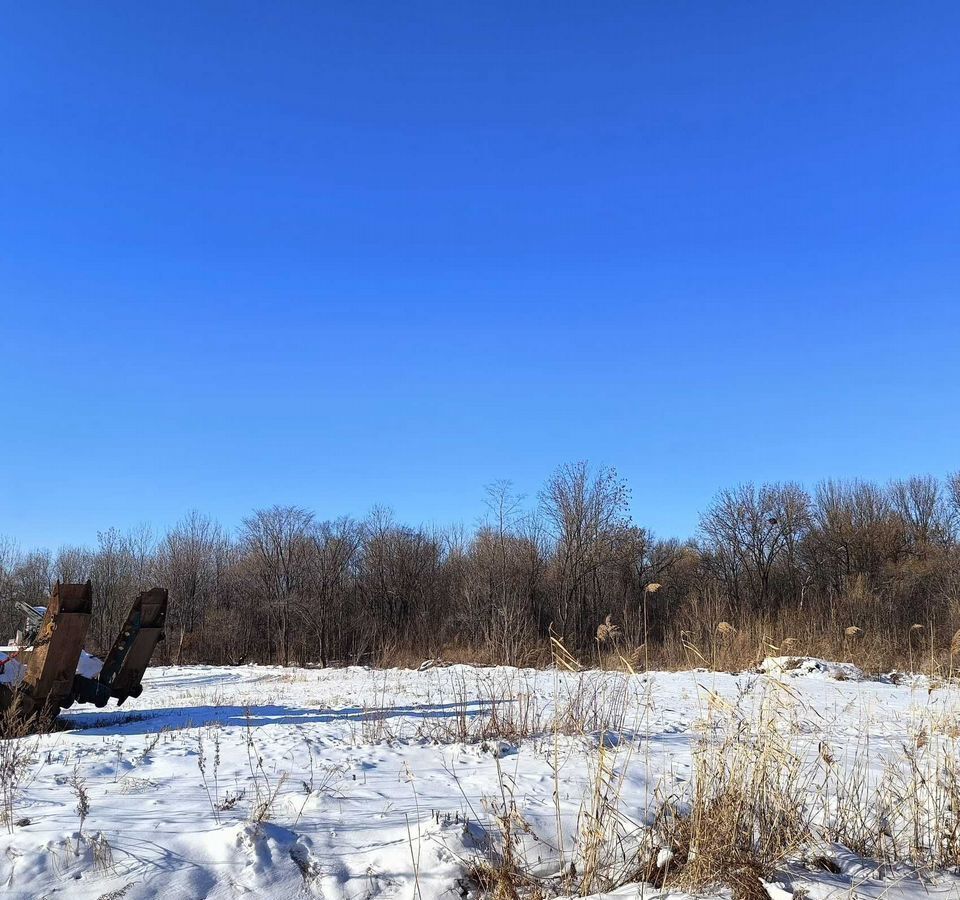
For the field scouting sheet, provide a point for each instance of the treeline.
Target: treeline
(850, 569)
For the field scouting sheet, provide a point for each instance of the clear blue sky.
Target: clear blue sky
(341, 254)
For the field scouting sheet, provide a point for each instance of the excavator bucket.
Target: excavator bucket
(50, 665)
(130, 655)
(47, 678)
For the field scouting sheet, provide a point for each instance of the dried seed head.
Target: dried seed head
(955, 643)
(607, 631)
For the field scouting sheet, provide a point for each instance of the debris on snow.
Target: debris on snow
(810, 665)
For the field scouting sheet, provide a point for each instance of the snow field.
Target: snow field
(355, 783)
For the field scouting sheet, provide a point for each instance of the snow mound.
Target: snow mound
(795, 666)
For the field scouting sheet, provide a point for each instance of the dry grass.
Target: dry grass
(745, 813)
(713, 636)
(877, 646)
(739, 644)
(18, 749)
(766, 790)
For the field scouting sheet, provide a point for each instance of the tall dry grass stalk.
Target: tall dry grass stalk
(767, 789)
(607, 633)
(19, 745)
(916, 631)
(954, 651)
(651, 588)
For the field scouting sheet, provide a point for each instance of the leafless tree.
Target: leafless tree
(73, 564)
(277, 542)
(336, 546)
(9, 556)
(401, 582)
(113, 573)
(749, 532)
(588, 513)
(922, 508)
(191, 560)
(290, 588)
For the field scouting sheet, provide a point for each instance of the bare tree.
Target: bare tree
(140, 545)
(33, 577)
(73, 565)
(288, 588)
(9, 556)
(402, 581)
(749, 532)
(336, 547)
(113, 573)
(588, 512)
(278, 542)
(922, 508)
(191, 561)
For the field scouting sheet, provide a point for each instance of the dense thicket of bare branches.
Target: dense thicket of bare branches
(777, 564)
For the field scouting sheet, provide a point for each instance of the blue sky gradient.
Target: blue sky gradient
(346, 254)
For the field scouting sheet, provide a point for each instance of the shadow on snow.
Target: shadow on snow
(150, 721)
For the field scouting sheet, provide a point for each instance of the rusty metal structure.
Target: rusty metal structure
(49, 680)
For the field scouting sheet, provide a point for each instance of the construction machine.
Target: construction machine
(47, 670)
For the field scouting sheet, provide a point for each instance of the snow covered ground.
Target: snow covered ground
(356, 783)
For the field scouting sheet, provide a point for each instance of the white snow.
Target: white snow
(89, 665)
(373, 784)
(11, 669)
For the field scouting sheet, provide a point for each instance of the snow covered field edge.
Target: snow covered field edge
(358, 783)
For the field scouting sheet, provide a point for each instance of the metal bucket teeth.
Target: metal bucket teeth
(130, 655)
